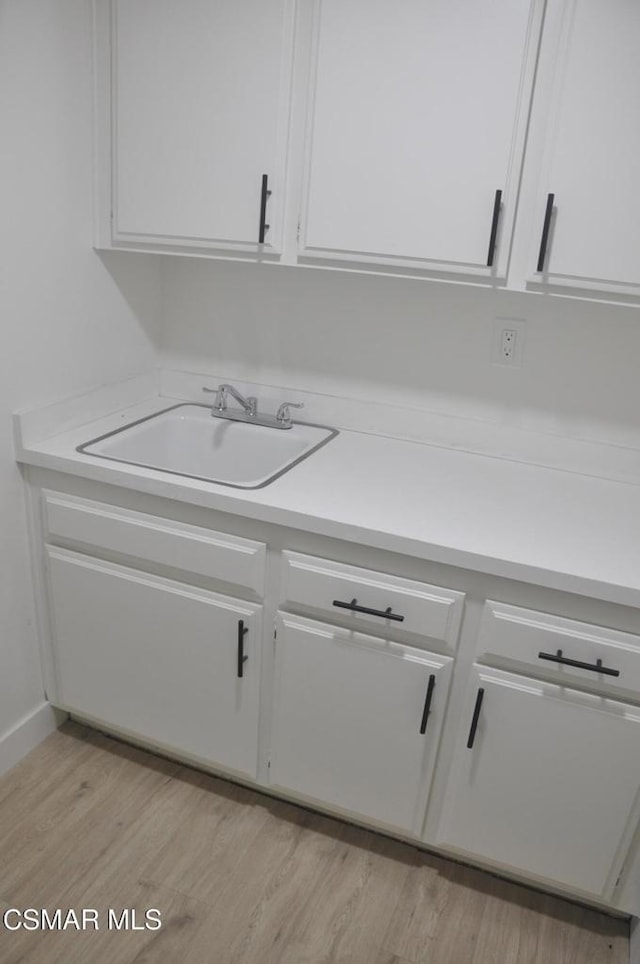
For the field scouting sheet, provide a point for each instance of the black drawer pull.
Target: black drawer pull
(242, 630)
(544, 240)
(353, 606)
(427, 703)
(495, 220)
(264, 194)
(596, 667)
(476, 717)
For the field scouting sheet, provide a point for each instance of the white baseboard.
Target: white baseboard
(27, 734)
(634, 941)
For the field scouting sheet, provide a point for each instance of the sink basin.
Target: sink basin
(186, 440)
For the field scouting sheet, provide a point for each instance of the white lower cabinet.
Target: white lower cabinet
(356, 721)
(539, 775)
(172, 663)
(548, 784)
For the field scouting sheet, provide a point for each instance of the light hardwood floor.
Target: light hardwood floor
(88, 822)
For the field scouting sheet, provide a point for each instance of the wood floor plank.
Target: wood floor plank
(270, 883)
(253, 888)
(346, 915)
(240, 878)
(570, 934)
(216, 827)
(78, 820)
(437, 913)
(282, 887)
(26, 784)
(384, 957)
(448, 912)
(181, 917)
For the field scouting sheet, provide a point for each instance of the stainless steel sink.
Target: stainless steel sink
(186, 440)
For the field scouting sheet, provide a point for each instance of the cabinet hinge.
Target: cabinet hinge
(275, 633)
(268, 764)
(298, 233)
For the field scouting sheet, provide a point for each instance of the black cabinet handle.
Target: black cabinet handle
(264, 194)
(545, 232)
(242, 630)
(495, 220)
(427, 703)
(596, 667)
(353, 606)
(476, 717)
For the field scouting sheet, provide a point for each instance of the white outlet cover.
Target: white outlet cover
(513, 324)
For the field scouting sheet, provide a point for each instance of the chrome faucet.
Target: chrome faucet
(249, 408)
(250, 404)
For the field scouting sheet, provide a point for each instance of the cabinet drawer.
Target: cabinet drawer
(148, 538)
(521, 635)
(320, 584)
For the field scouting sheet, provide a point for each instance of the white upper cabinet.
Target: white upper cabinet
(417, 117)
(199, 97)
(382, 135)
(589, 181)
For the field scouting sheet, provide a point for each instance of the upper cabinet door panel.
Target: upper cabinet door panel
(417, 117)
(200, 108)
(593, 148)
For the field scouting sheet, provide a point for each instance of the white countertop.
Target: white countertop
(540, 525)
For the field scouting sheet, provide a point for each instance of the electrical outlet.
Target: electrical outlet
(508, 342)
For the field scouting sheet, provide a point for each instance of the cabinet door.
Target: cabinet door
(591, 164)
(550, 784)
(417, 118)
(156, 658)
(200, 96)
(348, 713)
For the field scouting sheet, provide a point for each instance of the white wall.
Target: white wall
(70, 318)
(413, 342)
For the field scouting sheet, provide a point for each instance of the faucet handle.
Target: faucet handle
(283, 415)
(220, 402)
